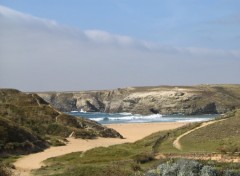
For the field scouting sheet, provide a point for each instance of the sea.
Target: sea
(113, 118)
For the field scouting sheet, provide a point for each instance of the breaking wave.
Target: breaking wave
(125, 117)
(129, 118)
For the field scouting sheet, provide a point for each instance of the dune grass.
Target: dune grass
(136, 158)
(29, 124)
(123, 159)
(97, 160)
(222, 136)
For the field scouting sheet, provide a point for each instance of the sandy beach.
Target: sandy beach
(131, 133)
(136, 131)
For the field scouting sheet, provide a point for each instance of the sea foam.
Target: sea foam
(126, 117)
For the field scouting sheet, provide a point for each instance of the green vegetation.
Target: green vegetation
(222, 137)
(18, 139)
(5, 170)
(180, 167)
(137, 158)
(29, 124)
(225, 97)
(125, 159)
(93, 162)
(165, 146)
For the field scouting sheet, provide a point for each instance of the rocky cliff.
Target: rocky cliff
(202, 99)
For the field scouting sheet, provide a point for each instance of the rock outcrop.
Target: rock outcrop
(189, 100)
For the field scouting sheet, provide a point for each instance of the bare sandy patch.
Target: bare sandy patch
(131, 133)
(136, 131)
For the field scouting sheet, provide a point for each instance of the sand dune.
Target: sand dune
(131, 133)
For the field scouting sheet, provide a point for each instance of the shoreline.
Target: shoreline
(130, 131)
(134, 131)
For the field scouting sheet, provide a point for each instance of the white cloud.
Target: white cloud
(105, 37)
(15, 15)
(39, 54)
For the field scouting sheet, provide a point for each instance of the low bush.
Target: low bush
(143, 157)
(5, 171)
(184, 167)
(85, 134)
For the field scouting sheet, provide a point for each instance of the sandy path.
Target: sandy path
(215, 157)
(34, 161)
(176, 142)
(131, 132)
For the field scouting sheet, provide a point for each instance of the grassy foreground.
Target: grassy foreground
(136, 158)
(124, 159)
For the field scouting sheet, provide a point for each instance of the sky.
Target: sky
(90, 44)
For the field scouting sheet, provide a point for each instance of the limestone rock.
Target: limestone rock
(202, 99)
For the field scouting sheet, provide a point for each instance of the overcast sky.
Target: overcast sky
(85, 45)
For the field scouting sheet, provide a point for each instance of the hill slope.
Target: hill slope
(27, 121)
(202, 99)
(136, 158)
(223, 136)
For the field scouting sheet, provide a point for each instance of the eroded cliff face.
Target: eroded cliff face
(202, 99)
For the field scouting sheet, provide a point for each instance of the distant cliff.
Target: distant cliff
(189, 100)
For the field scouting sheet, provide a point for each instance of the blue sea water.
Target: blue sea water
(111, 118)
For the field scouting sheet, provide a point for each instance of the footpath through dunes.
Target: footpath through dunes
(131, 133)
(227, 156)
(30, 162)
(176, 142)
(217, 140)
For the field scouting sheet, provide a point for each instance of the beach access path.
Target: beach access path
(176, 142)
(131, 133)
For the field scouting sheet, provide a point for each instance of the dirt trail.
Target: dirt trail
(223, 158)
(176, 142)
(132, 133)
(214, 156)
(34, 161)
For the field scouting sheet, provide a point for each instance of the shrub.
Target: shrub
(143, 157)
(208, 171)
(136, 167)
(231, 173)
(180, 168)
(168, 169)
(5, 171)
(152, 173)
(184, 167)
(85, 134)
(56, 142)
(116, 169)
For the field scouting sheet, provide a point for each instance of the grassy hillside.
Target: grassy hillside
(222, 136)
(18, 139)
(27, 122)
(137, 158)
(36, 121)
